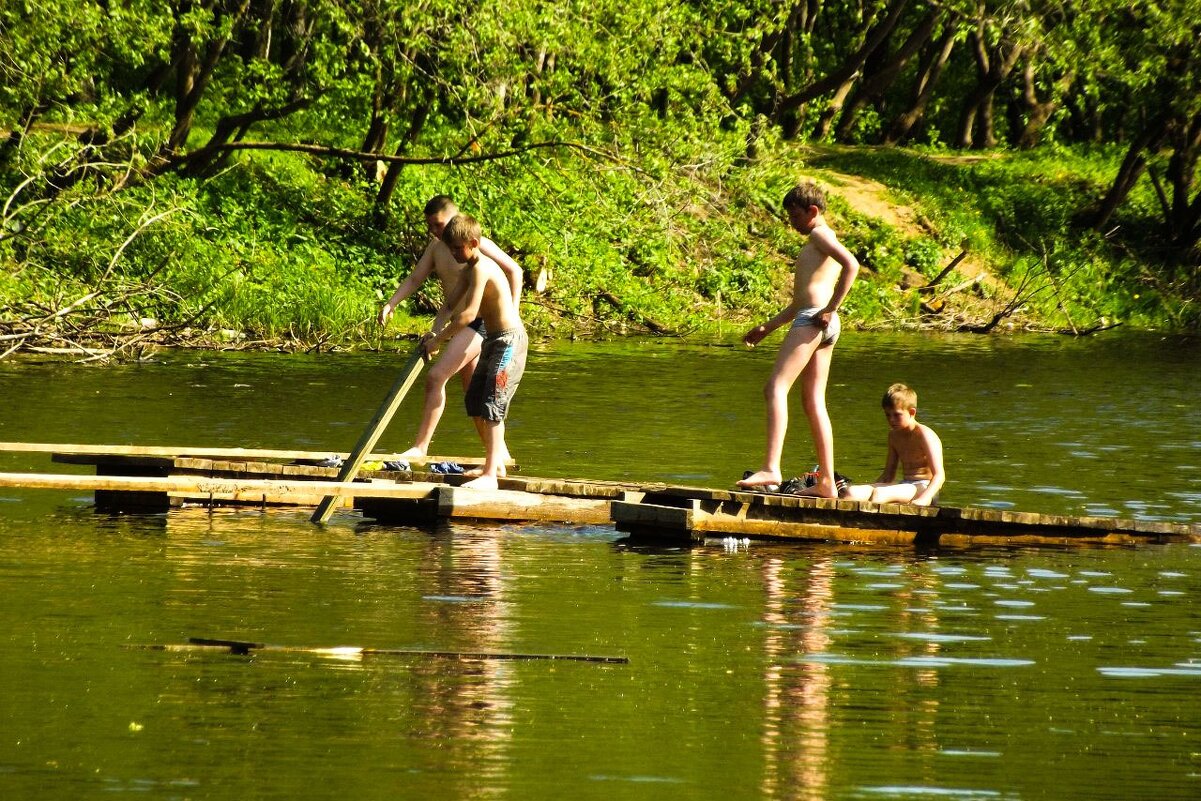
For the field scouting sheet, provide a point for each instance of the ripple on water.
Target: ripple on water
(1182, 669)
(915, 661)
(695, 604)
(940, 792)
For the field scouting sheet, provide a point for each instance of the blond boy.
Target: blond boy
(462, 351)
(913, 446)
(483, 292)
(825, 271)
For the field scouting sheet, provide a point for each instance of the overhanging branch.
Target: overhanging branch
(449, 161)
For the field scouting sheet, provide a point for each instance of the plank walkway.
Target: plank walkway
(133, 478)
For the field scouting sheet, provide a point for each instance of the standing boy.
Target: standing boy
(462, 351)
(483, 292)
(912, 445)
(825, 271)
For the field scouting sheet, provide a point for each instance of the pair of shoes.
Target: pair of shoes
(331, 461)
(398, 464)
(794, 486)
(445, 468)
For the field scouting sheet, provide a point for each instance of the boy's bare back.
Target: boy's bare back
(488, 291)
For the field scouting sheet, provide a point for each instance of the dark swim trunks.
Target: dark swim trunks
(477, 325)
(502, 362)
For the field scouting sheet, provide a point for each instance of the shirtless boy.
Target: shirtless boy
(483, 292)
(461, 352)
(825, 271)
(915, 447)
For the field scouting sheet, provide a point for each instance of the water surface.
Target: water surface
(756, 671)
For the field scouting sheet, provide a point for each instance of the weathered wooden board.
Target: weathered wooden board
(242, 454)
(678, 514)
(201, 486)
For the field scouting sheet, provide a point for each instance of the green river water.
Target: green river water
(776, 671)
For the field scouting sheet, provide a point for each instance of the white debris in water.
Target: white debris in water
(734, 544)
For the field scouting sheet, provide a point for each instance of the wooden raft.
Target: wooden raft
(694, 514)
(132, 478)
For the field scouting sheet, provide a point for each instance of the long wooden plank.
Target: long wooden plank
(375, 429)
(200, 485)
(203, 451)
(511, 505)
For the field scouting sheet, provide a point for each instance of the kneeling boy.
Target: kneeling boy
(483, 292)
(912, 445)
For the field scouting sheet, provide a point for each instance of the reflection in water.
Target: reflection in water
(465, 706)
(796, 724)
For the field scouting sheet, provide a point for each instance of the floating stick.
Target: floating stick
(243, 647)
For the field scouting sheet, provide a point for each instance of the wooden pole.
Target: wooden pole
(383, 416)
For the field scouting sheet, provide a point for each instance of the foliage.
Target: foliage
(634, 151)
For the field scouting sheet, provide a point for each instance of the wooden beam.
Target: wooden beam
(196, 486)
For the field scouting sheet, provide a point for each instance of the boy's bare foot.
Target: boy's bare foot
(760, 480)
(501, 472)
(413, 453)
(824, 488)
(483, 483)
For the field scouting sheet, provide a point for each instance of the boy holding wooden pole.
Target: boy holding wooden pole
(483, 292)
(461, 353)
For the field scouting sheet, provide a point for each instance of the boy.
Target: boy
(483, 292)
(915, 446)
(825, 271)
(462, 351)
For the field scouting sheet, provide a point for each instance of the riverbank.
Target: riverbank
(279, 252)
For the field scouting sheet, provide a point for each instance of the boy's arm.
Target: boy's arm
(425, 265)
(890, 464)
(512, 270)
(933, 447)
(760, 332)
(826, 242)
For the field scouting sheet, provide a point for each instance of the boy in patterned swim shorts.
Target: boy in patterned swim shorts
(483, 292)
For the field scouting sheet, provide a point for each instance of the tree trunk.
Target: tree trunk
(846, 71)
(993, 68)
(927, 79)
(1185, 212)
(1038, 112)
(1128, 174)
(875, 85)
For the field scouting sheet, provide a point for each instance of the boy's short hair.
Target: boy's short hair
(461, 230)
(802, 196)
(899, 395)
(439, 203)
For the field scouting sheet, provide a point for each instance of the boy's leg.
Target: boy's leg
(502, 458)
(494, 445)
(813, 395)
(859, 492)
(894, 493)
(795, 352)
(458, 356)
